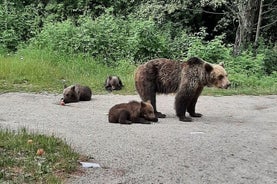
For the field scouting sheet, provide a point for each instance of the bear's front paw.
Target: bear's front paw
(197, 115)
(160, 115)
(185, 119)
(147, 122)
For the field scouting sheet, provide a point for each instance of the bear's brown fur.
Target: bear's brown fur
(186, 79)
(132, 112)
(113, 83)
(76, 93)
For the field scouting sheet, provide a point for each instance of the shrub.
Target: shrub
(270, 60)
(17, 25)
(57, 37)
(247, 63)
(107, 37)
(212, 51)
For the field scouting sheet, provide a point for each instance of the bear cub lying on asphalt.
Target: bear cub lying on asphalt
(132, 112)
(76, 93)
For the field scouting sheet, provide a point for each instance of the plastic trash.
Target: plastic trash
(196, 133)
(89, 164)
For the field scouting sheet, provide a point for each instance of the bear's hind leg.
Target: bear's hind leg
(152, 98)
(124, 117)
(150, 94)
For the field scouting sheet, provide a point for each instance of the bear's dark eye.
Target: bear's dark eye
(67, 95)
(220, 77)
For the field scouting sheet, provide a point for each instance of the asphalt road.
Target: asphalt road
(234, 142)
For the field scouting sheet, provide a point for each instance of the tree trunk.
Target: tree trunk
(246, 15)
(259, 24)
(6, 15)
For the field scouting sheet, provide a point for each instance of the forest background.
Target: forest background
(45, 44)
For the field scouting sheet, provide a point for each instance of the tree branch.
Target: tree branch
(269, 10)
(205, 11)
(268, 24)
(215, 13)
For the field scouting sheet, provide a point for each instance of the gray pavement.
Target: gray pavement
(234, 142)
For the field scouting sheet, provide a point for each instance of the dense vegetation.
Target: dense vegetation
(47, 43)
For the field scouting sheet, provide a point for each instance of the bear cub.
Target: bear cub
(76, 93)
(132, 112)
(113, 83)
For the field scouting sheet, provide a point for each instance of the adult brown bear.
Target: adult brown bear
(186, 79)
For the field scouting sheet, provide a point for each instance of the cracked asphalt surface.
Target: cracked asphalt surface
(234, 142)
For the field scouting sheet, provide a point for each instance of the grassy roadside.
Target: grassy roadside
(21, 162)
(40, 71)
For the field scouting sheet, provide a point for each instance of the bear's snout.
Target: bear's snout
(152, 119)
(228, 85)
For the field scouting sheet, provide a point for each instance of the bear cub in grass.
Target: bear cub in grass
(132, 112)
(186, 79)
(113, 83)
(76, 93)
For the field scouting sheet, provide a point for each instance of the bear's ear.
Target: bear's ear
(143, 104)
(120, 82)
(73, 88)
(221, 64)
(208, 67)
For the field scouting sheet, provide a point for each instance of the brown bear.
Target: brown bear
(186, 79)
(132, 112)
(76, 93)
(113, 83)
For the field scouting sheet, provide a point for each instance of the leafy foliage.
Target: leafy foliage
(109, 38)
(115, 33)
(270, 60)
(213, 51)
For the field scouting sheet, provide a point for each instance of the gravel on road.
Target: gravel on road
(234, 142)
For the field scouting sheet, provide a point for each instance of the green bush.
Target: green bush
(17, 25)
(213, 51)
(247, 63)
(58, 37)
(108, 38)
(270, 60)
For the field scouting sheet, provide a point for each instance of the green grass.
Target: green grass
(19, 162)
(38, 71)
